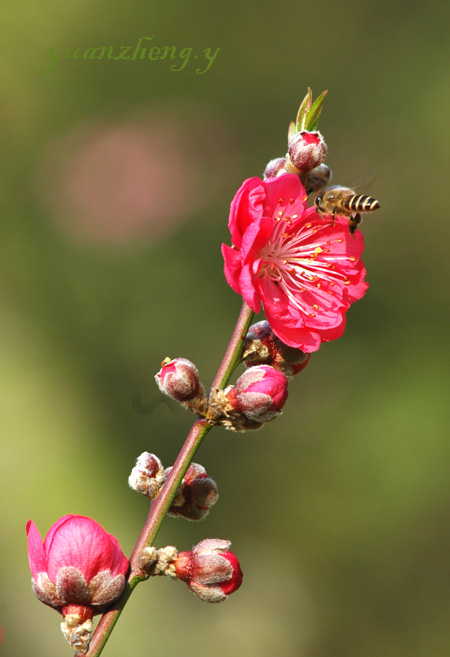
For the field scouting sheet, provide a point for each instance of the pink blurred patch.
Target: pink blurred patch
(137, 179)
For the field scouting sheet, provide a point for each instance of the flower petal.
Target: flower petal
(247, 289)
(285, 190)
(36, 552)
(233, 265)
(120, 563)
(82, 543)
(53, 529)
(245, 208)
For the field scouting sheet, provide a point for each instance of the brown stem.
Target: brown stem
(162, 503)
(233, 353)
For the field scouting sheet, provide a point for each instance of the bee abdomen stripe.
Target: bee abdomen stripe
(373, 203)
(361, 203)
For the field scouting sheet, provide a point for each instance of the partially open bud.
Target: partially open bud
(306, 150)
(275, 168)
(196, 494)
(178, 378)
(79, 570)
(262, 346)
(147, 476)
(259, 393)
(210, 570)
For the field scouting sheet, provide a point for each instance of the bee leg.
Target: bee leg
(355, 220)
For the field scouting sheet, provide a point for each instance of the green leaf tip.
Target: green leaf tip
(308, 113)
(292, 131)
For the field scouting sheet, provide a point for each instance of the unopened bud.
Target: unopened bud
(306, 150)
(260, 393)
(196, 494)
(317, 178)
(178, 378)
(275, 168)
(262, 346)
(147, 476)
(210, 570)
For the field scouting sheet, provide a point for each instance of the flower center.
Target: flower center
(302, 265)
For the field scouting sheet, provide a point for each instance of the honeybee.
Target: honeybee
(343, 200)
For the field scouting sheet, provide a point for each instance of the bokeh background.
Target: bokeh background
(115, 184)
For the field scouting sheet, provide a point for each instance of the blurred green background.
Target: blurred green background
(115, 188)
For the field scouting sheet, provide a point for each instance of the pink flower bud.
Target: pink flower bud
(196, 494)
(263, 346)
(259, 393)
(79, 569)
(210, 570)
(307, 150)
(274, 168)
(147, 476)
(178, 378)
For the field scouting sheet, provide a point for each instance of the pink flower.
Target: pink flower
(210, 570)
(305, 270)
(78, 565)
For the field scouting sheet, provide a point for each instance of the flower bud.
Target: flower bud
(306, 150)
(259, 393)
(178, 378)
(79, 570)
(196, 494)
(147, 476)
(317, 178)
(275, 168)
(262, 346)
(210, 570)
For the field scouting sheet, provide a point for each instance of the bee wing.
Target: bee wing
(363, 183)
